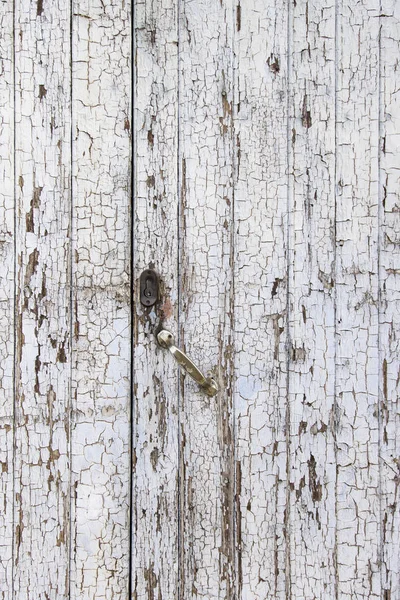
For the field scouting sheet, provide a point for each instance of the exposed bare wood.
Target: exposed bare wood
(101, 79)
(42, 349)
(155, 234)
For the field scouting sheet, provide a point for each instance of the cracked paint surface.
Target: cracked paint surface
(389, 277)
(260, 280)
(358, 536)
(206, 198)
(7, 157)
(100, 444)
(311, 302)
(41, 467)
(155, 457)
(248, 152)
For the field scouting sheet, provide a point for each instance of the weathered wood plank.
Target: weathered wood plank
(101, 77)
(42, 360)
(207, 561)
(260, 317)
(312, 466)
(6, 297)
(155, 244)
(357, 138)
(389, 306)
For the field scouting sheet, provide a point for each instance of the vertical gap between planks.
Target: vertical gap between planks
(14, 387)
(235, 513)
(132, 298)
(288, 272)
(180, 531)
(72, 300)
(71, 295)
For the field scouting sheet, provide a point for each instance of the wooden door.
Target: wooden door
(248, 152)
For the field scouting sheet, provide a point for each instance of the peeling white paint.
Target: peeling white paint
(264, 189)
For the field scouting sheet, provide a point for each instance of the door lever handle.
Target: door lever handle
(167, 341)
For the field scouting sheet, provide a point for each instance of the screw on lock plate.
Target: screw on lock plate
(149, 287)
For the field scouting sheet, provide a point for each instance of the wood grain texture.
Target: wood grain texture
(357, 140)
(389, 321)
(206, 300)
(100, 448)
(260, 312)
(311, 285)
(155, 245)
(7, 239)
(42, 350)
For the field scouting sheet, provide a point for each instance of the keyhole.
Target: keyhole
(147, 291)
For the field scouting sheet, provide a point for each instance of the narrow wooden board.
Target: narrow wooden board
(155, 245)
(207, 464)
(311, 285)
(389, 306)
(357, 420)
(101, 92)
(260, 283)
(7, 240)
(42, 336)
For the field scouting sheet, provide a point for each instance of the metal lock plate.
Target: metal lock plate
(149, 287)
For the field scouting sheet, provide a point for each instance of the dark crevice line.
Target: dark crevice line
(132, 303)
(236, 566)
(71, 298)
(288, 274)
(14, 308)
(180, 481)
(335, 402)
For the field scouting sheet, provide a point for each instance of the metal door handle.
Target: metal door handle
(166, 340)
